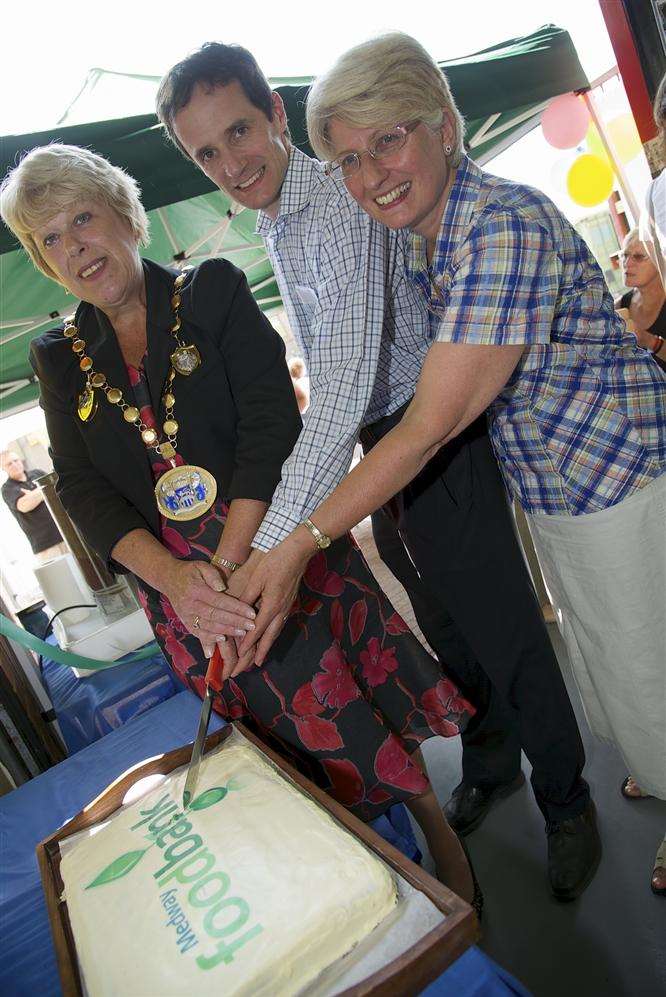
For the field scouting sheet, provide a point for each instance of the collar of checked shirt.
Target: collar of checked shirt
(456, 221)
(296, 193)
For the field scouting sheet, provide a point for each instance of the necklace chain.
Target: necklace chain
(95, 379)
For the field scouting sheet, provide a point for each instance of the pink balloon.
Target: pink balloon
(565, 121)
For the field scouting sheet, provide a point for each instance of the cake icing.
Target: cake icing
(253, 890)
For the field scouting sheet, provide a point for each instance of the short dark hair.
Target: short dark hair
(214, 65)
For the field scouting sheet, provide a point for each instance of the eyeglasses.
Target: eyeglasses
(384, 146)
(636, 257)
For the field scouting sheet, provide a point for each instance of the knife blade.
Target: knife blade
(213, 682)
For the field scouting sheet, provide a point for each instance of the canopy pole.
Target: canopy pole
(607, 142)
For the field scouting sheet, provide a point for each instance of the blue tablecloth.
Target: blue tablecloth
(31, 813)
(90, 707)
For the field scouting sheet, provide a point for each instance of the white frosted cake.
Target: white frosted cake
(253, 890)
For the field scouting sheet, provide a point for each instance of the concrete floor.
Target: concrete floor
(609, 943)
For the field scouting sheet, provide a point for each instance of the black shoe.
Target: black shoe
(470, 804)
(574, 851)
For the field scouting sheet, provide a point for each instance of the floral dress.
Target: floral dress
(348, 691)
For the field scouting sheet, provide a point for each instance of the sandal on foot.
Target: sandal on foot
(633, 796)
(659, 871)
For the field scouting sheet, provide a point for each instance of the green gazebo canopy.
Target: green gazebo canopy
(500, 91)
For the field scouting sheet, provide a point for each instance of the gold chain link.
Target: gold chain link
(162, 448)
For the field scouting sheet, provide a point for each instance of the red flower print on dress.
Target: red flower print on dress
(220, 706)
(238, 692)
(147, 416)
(377, 663)
(143, 602)
(160, 467)
(440, 703)
(173, 621)
(236, 710)
(310, 606)
(357, 617)
(180, 657)
(335, 685)
(318, 734)
(175, 542)
(305, 703)
(394, 766)
(337, 619)
(378, 795)
(318, 578)
(395, 625)
(347, 784)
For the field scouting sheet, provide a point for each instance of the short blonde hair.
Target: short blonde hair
(384, 81)
(51, 178)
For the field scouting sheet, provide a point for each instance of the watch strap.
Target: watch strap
(224, 562)
(321, 539)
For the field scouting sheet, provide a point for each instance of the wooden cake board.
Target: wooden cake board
(408, 973)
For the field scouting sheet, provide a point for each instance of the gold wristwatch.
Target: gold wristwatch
(320, 538)
(224, 562)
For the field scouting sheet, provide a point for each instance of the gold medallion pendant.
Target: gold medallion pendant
(87, 405)
(185, 359)
(185, 492)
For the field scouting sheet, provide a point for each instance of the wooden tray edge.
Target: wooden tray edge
(422, 962)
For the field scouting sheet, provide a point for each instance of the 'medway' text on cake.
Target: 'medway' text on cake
(254, 889)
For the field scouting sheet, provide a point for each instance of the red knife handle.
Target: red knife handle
(214, 670)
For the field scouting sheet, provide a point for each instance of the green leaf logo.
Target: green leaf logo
(118, 868)
(208, 798)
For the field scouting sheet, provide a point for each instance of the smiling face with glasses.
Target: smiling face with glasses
(382, 147)
(399, 175)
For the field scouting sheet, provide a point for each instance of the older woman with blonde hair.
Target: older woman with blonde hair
(170, 412)
(523, 325)
(643, 306)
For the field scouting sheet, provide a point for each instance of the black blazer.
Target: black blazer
(237, 413)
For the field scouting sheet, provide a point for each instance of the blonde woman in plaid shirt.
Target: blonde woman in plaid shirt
(524, 326)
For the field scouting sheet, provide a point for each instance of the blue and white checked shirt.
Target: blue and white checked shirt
(361, 325)
(582, 422)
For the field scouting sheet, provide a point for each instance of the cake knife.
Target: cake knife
(213, 682)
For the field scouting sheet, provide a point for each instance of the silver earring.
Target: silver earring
(448, 150)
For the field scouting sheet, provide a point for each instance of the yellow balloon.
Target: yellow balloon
(625, 138)
(595, 146)
(589, 181)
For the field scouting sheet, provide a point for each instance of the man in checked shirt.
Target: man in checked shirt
(364, 335)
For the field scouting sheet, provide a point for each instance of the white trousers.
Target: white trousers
(606, 576)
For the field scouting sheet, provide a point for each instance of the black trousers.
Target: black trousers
(475, 603)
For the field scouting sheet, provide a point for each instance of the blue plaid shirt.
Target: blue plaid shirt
(361, 325)
(581, 424)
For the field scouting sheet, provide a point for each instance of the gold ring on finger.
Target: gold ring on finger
(196, 623)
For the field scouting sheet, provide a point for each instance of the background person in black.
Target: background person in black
(26, 502)
(643, 306)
